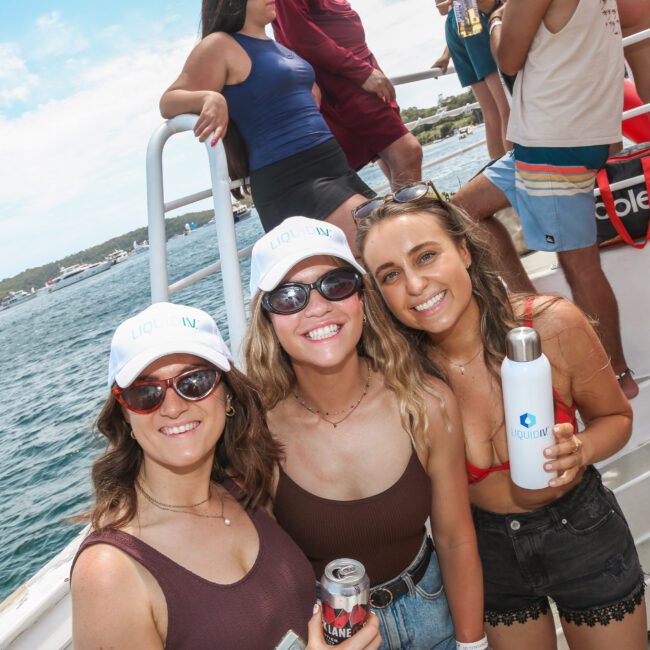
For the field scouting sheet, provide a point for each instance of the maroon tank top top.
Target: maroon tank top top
(276, 595)
(383, 532)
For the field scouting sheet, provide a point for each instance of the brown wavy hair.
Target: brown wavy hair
(383, 345)
(246, 452)
(497, 317)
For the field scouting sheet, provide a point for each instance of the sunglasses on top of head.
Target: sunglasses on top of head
(406, 194)
(292, 297)
(147, 395)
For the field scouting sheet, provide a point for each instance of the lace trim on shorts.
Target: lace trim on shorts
(605, 615)
(532, 611)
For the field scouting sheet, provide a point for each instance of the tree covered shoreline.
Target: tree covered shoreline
(36, 277)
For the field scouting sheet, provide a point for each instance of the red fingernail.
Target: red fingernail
(213, 142)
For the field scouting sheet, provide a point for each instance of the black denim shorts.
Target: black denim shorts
(578, 551)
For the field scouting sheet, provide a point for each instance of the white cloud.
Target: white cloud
(56, 37)
(16, 81)
(73, 169)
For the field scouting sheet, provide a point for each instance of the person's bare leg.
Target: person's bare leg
(498, 92)
(630, 633)
(594, 295)
(533, 635)
(342, 217)
(481, 199)
(404, 158)
(492, 119)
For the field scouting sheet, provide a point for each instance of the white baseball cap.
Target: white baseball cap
(294, 240)
(162, 329)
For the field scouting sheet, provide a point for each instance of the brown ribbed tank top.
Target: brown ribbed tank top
(383, 532)
(254, 613)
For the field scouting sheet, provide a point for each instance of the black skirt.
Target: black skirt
(311, 183)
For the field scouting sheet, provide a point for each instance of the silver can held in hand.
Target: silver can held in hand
(345, 593)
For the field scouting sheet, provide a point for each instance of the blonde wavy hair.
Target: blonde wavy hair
(385, 348)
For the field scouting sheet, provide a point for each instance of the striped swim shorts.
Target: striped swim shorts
(551, 188)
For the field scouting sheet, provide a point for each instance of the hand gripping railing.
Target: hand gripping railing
(225, 223)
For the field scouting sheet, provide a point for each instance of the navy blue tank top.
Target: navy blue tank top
(273, 107)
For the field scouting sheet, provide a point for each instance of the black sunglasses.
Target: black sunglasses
(147, 395)
(292, 297)
(406, 194)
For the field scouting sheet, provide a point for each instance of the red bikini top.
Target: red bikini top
(563, 414)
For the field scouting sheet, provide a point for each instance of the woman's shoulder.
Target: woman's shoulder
(549, 314)
(112, 600)
(567, 334)
(103, 565)
(217, 39)
(215, 45)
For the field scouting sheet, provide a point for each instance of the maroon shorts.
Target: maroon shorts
(361, 122)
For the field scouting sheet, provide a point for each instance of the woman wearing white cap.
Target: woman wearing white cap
(182, 553)
(373, 448)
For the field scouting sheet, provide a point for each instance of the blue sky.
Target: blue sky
(79, 89)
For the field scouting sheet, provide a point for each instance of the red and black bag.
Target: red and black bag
(624, 214)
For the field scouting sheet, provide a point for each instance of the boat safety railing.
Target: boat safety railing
(229, 254)
(224, 221)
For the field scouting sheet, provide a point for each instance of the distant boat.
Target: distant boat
(16, 297)
(143, 247)
(464, 131)
(240, 210)
(117, 256)
(76, 273)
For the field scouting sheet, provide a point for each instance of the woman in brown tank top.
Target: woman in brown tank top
(372, 447)
(183, 553)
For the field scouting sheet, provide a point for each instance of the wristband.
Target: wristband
(495, 22)
(481, 644)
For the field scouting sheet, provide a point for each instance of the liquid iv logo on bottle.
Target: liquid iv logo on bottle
(527, 420)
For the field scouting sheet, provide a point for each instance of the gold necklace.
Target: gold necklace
(180, 508)
(460, 366)
(350, 409)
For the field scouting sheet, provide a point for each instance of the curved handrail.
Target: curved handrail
(224, 221)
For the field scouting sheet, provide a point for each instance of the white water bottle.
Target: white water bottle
(528, 407)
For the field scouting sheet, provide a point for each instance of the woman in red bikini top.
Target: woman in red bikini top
(435, 273)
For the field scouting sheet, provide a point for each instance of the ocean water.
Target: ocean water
(53, 359)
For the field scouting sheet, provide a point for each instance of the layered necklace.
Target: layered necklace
(460, 366)
(186, 509)
(325, 415)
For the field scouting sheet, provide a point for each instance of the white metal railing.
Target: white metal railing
(635, 38)
(225, 223)
(224, 220)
